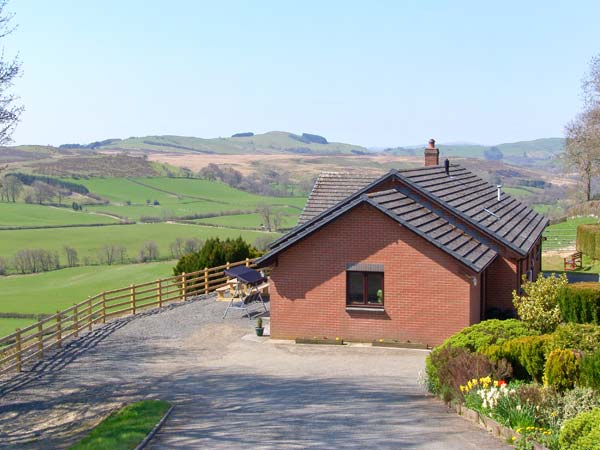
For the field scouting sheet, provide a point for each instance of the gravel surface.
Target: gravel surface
(230, 389)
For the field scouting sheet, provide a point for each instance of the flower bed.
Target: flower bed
(533, 381)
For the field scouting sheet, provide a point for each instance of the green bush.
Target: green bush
(575, 401)
(475, 338)
(581, 432)
(455, 366)
(215, 252)
(580, 303)
(526, 354)
(538, 306)
(590, 370)
(489, 332)
(562, 369)
(588, 240)
(582, 337)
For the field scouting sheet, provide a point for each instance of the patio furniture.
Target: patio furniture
(573, 261)
(249, 285)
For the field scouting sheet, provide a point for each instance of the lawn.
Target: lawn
(126, 428)
(246, 221)
(8, 326)
(89, 240)
(179, 197)
(23, 214)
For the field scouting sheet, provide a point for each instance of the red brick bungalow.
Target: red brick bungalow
(414, 255)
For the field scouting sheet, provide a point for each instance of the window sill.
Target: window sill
(377, 309)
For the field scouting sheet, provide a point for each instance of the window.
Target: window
(364, 288)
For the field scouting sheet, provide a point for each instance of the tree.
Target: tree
(148, 252)
(3, 266)
(72, 258)
(106, 255)
(215, 252)
(493, 154)
(266, 214)
(582, 150)
(176, 248)
(42, 191)
(13, 187)
(10, 69)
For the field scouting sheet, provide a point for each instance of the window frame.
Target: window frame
(365, 302)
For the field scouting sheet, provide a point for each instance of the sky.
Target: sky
(373, 73)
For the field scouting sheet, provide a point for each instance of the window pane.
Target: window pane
(375, 287)
(355, 287)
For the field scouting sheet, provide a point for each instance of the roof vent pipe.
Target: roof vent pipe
(499, 192)
(447, 166)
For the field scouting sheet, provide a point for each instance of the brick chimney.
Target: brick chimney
(432, 154)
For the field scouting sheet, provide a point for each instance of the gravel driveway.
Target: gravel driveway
(229, 390)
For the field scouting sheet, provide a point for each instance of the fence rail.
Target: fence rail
(32, 342)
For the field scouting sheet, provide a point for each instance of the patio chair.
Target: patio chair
(248, 286)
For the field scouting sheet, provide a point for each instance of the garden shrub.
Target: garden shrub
(583, 337)
(527, 355)
(581, 432)
(475, 338)
(574, 402)
(562, 369)
(489, 332)
(589, 374)
(580, 303)
(450, 367)
(215, 252)
(588, 240)
(538, 306)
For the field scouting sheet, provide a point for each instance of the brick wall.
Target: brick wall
(500, 282)
(428, 294)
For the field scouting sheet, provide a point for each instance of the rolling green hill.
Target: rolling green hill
(267, 143)
(536, 149)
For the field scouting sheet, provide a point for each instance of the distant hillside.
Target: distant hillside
(545, 148)
(240, 143)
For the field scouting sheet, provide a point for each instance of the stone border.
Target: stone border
(154, 430)
(497, 429)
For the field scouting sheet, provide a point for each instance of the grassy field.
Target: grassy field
(126, 428)
(23, 214)
(134, 198)
(50, 291)
(89, 240)
(245, 221)
(561, 236)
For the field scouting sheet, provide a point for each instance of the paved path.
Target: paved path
(230, 391)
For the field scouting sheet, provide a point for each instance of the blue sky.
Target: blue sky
(375, 73)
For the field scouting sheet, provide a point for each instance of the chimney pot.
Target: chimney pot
(432, 154)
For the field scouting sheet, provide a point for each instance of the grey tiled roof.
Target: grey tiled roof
(330, 189)
(431, 203)
(434, 226)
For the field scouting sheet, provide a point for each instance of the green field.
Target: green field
(47, 292)
(179, 197)
(89, 240)
(245, 221)
(23, 214)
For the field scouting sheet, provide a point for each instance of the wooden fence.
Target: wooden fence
(34, 341)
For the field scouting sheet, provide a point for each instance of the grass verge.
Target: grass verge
(126, 428)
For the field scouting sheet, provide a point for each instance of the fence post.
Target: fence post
(227, 267)
(183, 287)
(18, 349)
(247, 262)
(103, 307)
(206, 280)
(75, 321)
(159, 292)
(132, 297)
(90, 314)
(40, 340)
(58, 329)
